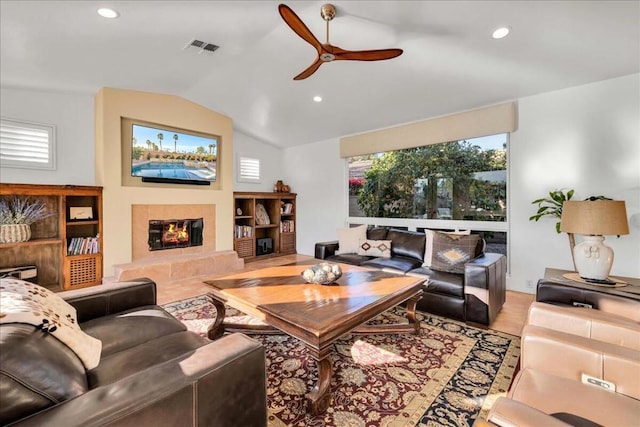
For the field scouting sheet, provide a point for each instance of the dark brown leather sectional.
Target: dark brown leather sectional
(152, 370)
(475, 296)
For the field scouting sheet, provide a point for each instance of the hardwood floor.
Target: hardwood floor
(510, 319)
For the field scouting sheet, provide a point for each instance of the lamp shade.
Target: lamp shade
(597, 217)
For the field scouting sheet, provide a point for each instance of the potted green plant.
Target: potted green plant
(17, 215)
(551, 206)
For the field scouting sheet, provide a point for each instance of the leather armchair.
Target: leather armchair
(152, 370)
(570, 377)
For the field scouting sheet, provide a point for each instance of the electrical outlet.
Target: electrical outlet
(529, 284)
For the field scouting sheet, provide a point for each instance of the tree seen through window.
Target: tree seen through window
(459, 180)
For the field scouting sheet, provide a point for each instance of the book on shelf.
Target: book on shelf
(287, 226)
(243, 231)
(286, 208)
(84, 245)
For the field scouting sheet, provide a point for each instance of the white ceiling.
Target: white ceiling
(450, 62)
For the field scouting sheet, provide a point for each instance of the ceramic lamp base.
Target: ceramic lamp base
(593, 258)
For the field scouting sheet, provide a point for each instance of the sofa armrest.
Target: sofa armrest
(102, 300)
(220, 384)
(506, 412)
(484, 287)
(326, 249)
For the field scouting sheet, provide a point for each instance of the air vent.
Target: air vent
(203, 47)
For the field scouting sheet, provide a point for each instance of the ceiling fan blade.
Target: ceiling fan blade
(366, 55)
(298, 26)
(310, 70)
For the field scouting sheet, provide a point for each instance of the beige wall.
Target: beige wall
(110, 106)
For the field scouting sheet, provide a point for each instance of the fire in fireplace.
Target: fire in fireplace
(175, 233)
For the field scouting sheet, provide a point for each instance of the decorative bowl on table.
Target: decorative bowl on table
(322, 274)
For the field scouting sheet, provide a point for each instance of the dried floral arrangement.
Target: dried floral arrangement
(23, 211)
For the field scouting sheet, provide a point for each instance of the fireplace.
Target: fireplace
(175, 233)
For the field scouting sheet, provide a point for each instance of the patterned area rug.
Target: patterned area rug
(447, 376)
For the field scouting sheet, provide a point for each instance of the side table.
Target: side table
(557, 289)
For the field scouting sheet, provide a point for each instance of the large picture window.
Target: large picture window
(459, 180)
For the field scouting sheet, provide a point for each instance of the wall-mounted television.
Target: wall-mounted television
(164, 154)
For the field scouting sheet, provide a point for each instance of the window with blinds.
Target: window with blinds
(27, 145)
(248, 169)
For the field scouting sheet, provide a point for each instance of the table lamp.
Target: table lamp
(594, 219)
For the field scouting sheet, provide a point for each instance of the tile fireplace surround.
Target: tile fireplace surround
(179, 263)
(142, 214)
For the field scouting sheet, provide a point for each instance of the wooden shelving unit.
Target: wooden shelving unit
(248, 231)
(48, 248)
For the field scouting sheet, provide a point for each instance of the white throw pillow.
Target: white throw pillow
(25, 302)
(379, 248)
(428, 247)
(349, 239)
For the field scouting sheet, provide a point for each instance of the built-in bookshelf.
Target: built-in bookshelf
(65, 249)
(264, 224)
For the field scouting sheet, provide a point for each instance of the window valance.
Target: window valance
(469, 124)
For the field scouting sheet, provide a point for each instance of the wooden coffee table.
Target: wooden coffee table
(317, 315)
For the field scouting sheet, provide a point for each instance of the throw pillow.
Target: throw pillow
(452, 251)
(349, 239)
(25, 302)
(428, 247)
(378, 248)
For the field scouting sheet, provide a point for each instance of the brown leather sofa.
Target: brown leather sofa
(475, 296)
(152, 371)
(579, 367)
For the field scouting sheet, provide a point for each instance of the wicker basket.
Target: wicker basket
(14, 233)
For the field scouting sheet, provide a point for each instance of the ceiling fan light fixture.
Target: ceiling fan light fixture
(326, 51)
(501, 32)
(106, 12)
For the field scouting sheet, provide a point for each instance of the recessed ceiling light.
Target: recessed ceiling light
(501, 32)
(317, 98)
(105, 12)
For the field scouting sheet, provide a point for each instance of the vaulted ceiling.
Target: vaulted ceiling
(450, 61)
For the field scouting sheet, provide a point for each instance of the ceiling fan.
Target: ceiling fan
(326, 51)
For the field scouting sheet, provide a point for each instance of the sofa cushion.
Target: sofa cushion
(353, 259)
(377, 248)
(349, 239)
(36, 371)
(408, 244)
(452, 251)
(377, 233)
(128, 362)
(399, 263)
(132, 327)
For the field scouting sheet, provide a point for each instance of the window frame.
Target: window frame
(248, 179)
(50, 129)
(413, 224)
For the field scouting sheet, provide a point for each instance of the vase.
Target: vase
(14, 233)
